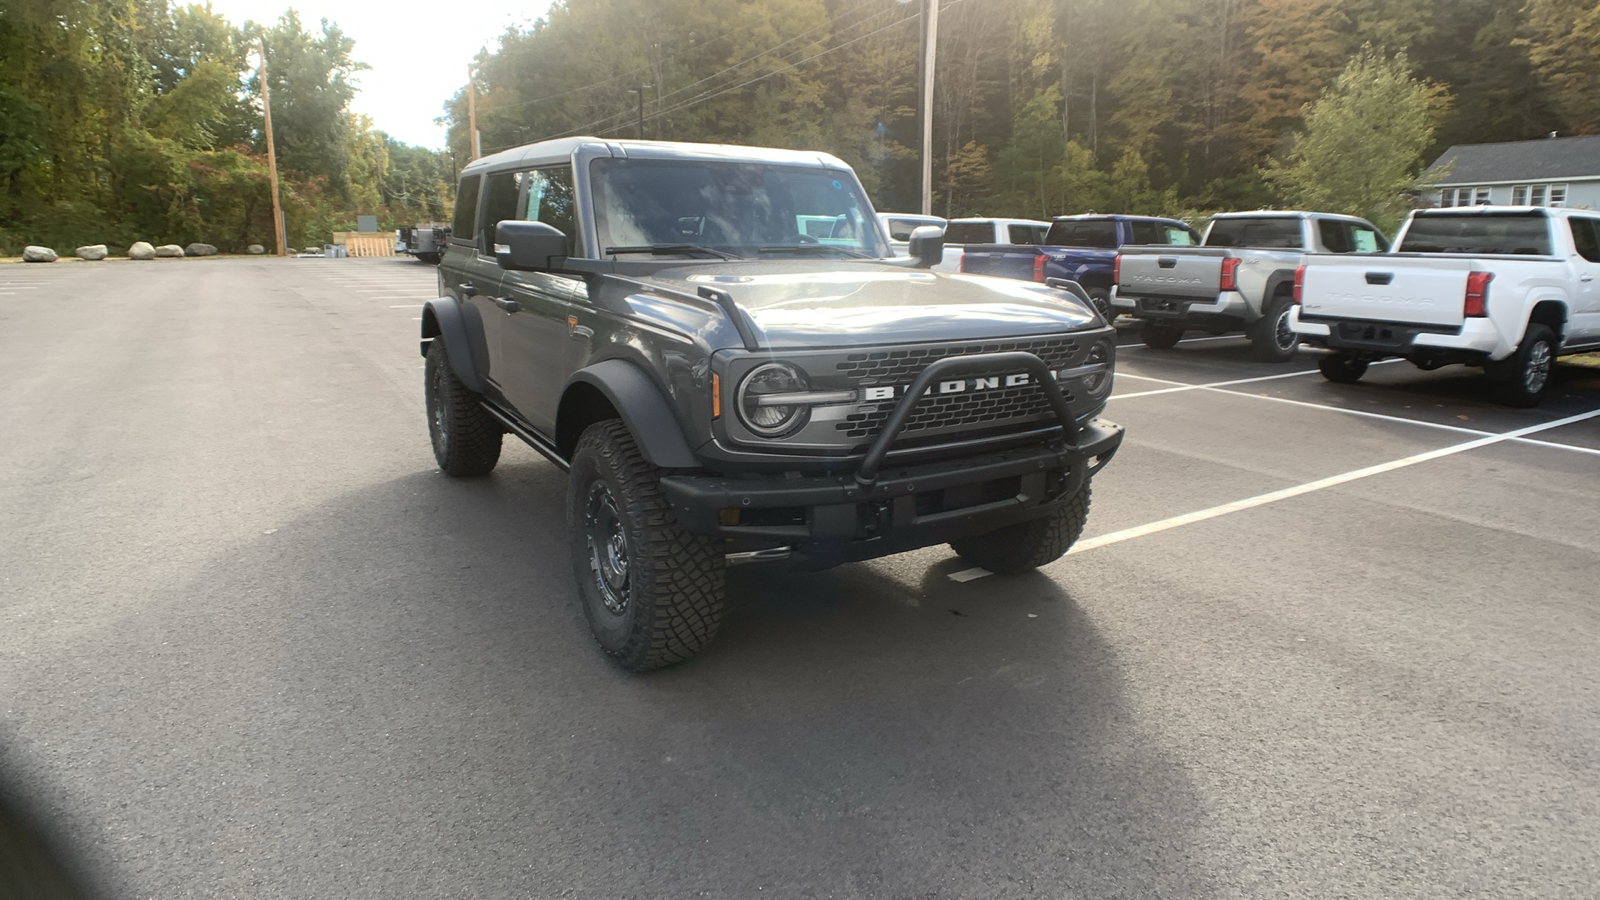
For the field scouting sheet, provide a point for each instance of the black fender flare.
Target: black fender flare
(1275, 281)
(442, 319)
(643, 408)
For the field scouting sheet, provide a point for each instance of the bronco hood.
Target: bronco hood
(833, 302)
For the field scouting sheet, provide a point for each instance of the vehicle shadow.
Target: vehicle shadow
(395, 694)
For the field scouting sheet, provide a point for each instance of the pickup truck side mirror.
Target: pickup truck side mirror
(528, 246)
(927, 246)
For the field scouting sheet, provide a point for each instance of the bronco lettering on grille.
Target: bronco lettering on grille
(955, 386)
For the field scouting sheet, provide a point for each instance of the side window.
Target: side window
(1366, 240)
(499, 204)
(1335, 239)
(1586, 237)
(550, 202)
(1145, 233)
(465, 225)
(1023, 234)
(1176, 236)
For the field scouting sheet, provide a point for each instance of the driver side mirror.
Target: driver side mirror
(927, 246)
(529, 246)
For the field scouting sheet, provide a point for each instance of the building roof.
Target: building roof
(1541, 160)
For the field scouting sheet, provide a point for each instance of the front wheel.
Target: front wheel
(1342, 368)
(652, 591)
(1271, 338)
(1031, 544)
(1160, 335)
(1528, 376)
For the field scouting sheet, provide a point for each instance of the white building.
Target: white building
(1550, 172)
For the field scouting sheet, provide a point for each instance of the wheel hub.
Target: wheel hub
(1285, 335)
(1538, 368)
(607, 541)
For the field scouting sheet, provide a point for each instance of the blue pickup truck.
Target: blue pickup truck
(1077, 248)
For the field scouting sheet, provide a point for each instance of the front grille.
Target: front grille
(901, 365)
(963, 412)
(979, 411)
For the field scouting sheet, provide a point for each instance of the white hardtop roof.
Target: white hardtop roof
(1285, 214)
(1487, 210)
(1000, 220)
(561, 149)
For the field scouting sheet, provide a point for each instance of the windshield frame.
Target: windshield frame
(870, 241)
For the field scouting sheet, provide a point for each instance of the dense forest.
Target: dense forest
(127, 120)
(1056, 106)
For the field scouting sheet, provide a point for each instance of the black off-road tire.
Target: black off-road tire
(1101, 298)
(466, 439)
(1271, 339)
(671, 588)
(1031, 544)
(1342, 368)
(1160, 335)
(1525, 379)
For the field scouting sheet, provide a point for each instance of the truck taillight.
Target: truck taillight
(1299, 283)
(1038, 267)
(1476, 302)
(1116, 269)
(1230, 277)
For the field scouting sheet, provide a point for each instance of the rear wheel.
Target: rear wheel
(1031, 544)
(1527, 379)
(466, 439)
(1101, 298)
(1160, 335)
(1271, 338)
(1342, 368)
(652, 591)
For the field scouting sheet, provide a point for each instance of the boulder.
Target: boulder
(199, 250)
(255, 249)
(38, 254)
(141, 250)
(92, 252)
(169, 250)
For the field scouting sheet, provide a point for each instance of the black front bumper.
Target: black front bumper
(832, 519)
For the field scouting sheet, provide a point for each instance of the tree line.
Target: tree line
(128, 120)
(1045, 107)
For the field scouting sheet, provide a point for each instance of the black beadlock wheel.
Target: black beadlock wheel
(1160, 335)
(1527, 378)
(1031, 544)
(466, 439)
(1271, 338)
(651, 591)
(1342, 368)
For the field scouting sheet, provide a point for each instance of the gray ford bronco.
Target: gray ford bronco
(714, 344)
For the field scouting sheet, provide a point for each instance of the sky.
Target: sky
(418, 51)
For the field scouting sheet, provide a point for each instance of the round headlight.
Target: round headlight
(1098, 379)
(763, 417)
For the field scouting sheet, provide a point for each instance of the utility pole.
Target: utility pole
(930, 45)
(640, 92)
(472, 112)
(272, 152)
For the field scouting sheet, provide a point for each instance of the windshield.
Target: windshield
(740, 208)
(1478, 233)
(1265, 232)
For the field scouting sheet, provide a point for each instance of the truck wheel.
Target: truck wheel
(466, 439)
(1342, 368)
(652, 592)
(1271, 338)
(1528, 376)
(1160, 335)
(1101, 298)
(1028, 545)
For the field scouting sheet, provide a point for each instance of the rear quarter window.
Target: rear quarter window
(464, 227)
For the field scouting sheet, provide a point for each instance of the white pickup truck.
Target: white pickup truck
(1505, 288)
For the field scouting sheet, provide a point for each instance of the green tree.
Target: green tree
(1563, 40)
(1363, 142)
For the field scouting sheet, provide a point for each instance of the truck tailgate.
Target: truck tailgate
(1188, 272)
(1408, 290)
(1003, 260)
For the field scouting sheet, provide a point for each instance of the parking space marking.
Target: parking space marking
(1128, 534)
(1181, 386)
(409, 306)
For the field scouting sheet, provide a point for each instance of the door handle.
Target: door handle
(507, 304)
(467, 290)
(1585, 277)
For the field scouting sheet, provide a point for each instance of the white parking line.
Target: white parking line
(1214, 384)
(409, 306)
(1128, 534)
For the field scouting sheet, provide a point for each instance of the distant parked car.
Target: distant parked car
(963, 233)
(900, 225)
(1076, 248)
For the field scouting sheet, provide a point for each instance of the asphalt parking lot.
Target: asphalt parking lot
(1319, 640)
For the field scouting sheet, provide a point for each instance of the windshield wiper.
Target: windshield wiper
(815, 248)
(666, 249)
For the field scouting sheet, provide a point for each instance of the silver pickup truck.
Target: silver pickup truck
(1241, 277)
